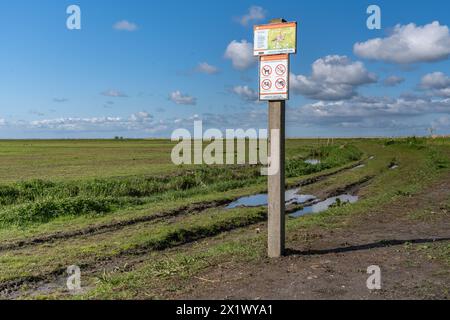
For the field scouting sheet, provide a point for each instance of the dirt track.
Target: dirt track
(11, 289)
(117, 225)
(334, 265)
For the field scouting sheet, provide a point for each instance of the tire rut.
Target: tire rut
(114, 226)
(12, 287)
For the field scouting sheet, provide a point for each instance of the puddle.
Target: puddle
(249, 201)
(359, 167)
(324, 205)
(372, 157)
(395, 166)
(258, 200)
(312, 161)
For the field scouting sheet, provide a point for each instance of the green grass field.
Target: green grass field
(136, 223)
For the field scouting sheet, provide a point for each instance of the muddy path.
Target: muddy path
(113, 226)
(334, 265)
(117, 225)
(130, 257)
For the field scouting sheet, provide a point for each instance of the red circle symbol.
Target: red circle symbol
(280, 69)
(266, 71)
(266, 84)
(280, 83)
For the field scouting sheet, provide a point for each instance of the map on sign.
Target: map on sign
(274, 77)
(275, 38)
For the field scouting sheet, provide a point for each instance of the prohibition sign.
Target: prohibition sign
(266, 71)
(280, 83)
(280, 69)
(266, 84)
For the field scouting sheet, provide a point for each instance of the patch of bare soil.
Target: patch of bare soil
(334, 264)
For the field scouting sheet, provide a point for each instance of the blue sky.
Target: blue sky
(145, 68)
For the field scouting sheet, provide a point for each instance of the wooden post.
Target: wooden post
(276, 188)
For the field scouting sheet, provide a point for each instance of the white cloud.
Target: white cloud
(408, 44)
(140, 121)
(180, 98)
(245, 93)
(114, 94)
(437, 83)
(125, 25)
(368, 111)
(248, 118)
(332, 78)
(255, 13)
(141, 116)
(341, 70)
(204, 67)
(435, 80)
(392, 81)
(312, 89)
(240, 54)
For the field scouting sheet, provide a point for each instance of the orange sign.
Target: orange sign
(276, 38)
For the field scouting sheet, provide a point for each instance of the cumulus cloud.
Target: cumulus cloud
(408, 44)
(255, 13)
(137, 124)
(240, 54)
(332, 78)
(365, 111)
(114, 94)
(393, 81)
(180, 98)
(437, 83)
(245, 93)
(204, 67)
(74, 123)
(250, 118)
(141, 116)
(137, 121)
(125, 25)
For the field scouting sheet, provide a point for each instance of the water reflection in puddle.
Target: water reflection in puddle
(258, 200)
(324, 205)
(359, 167)
(293, 197)
(249, 201)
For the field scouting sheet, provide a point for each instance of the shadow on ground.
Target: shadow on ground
(367, 246)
